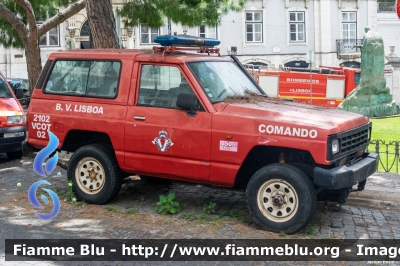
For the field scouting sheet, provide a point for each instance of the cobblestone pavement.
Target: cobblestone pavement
(132, 215)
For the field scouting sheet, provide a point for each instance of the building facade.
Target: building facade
(274, 33)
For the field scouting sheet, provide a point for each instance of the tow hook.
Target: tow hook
(343, 193)
(361, 185)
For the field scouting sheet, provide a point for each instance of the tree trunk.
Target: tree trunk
(102, 24)
(34, 64)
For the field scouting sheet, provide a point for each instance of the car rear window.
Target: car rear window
(92, 78)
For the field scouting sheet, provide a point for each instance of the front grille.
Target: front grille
(1, 135)
(351, 142)
(354, 139)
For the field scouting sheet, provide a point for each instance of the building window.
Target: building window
(147, 34)
(297, 27)
(208, 32)
(349, 25)
(85, 30)
(253, 26)
(52, 37)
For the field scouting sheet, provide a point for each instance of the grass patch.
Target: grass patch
(189, 216)
(385, 129)
(130, 211)
(234, 215)
(112, 208)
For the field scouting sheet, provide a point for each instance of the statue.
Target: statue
(371, 97)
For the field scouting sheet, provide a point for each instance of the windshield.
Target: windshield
(220, 80)
(4, 90)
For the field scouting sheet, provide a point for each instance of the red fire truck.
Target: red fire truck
(325, 86)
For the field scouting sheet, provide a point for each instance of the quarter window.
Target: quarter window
(254, 26)
(147, 34)
(297, 27)
(84, 78)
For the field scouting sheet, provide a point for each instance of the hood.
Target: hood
(10, 106)
(280, 111)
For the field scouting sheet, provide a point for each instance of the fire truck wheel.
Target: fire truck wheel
(14, 155)
(281, 197)
(95, 174)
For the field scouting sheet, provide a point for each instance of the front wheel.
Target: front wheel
(280, 197)
(95, 174)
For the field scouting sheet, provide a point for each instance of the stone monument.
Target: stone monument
(371, 97)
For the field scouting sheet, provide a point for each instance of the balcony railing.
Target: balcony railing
(386, 7)
(348, 46)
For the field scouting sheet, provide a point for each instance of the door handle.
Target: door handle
(138, 117)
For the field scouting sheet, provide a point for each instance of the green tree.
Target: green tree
(102, 24)
(19, 26)
(187, 12)
(154, 14)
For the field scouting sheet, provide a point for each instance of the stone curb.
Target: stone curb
(382, 194)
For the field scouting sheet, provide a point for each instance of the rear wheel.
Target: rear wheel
(95, 174)
(14, 155)
(281, 197)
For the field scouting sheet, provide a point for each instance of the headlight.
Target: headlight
(335, 146)
(16, 119)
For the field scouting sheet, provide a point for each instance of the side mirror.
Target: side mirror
(187, 101)
(19, 93)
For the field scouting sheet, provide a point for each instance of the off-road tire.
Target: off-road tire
(12, 155)
(95, 174)
(291, 190)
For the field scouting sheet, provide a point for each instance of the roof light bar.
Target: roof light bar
(172, 43)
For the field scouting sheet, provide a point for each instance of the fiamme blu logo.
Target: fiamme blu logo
(45, 171)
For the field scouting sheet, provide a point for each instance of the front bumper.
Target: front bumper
(346, 176)
(11, 144)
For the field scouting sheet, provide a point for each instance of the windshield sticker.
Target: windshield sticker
(288, 131)
(228, 146)
(158, 141)
(78, 108)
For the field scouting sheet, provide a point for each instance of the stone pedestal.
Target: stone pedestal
(371, 98)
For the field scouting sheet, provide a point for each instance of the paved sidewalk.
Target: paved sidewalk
(382, 190)
(132, 215)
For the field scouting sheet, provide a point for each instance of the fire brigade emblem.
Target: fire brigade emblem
(162, 141)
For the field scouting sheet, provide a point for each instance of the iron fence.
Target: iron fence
(388, 154)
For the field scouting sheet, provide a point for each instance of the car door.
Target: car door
(161, 139)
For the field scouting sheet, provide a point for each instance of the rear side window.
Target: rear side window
(84, 78)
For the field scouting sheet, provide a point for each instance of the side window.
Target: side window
(161, 85)
(84, 78)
